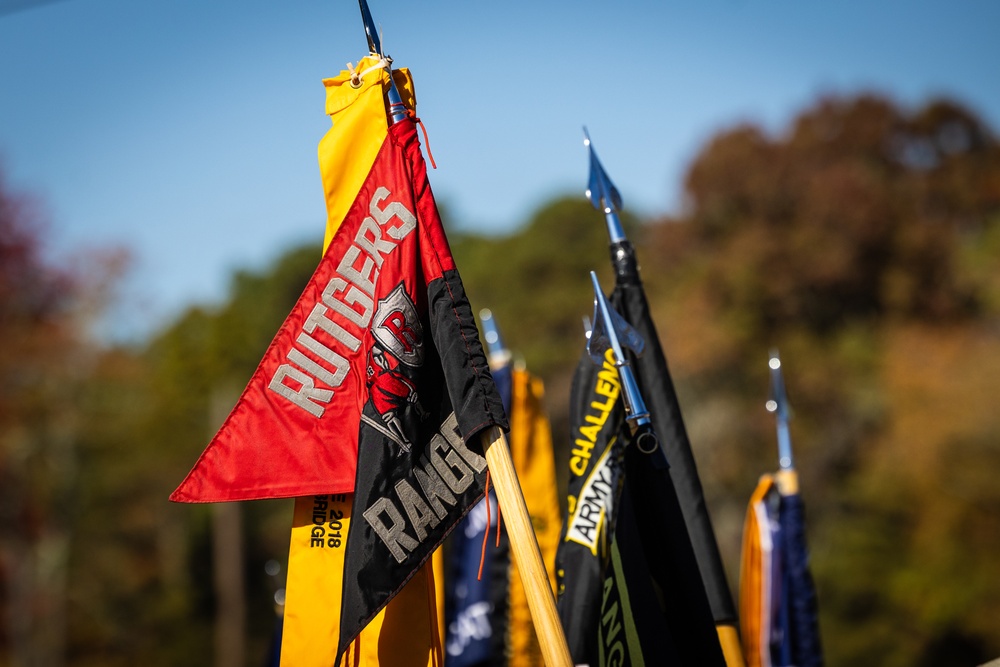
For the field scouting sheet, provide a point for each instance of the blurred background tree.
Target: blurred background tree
(46, 359)
(857, 242)
(863, 241)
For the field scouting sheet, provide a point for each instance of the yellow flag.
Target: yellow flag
(406, 633)
(348, 150)
(531, 449)
(755, 574)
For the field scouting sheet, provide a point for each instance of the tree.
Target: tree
(45, 354)
(144, 566)
(856, 241)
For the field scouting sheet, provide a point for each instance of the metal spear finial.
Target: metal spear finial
(778, 404)
(396, 107)
(499, 355)
(611, 331)
(603, 194)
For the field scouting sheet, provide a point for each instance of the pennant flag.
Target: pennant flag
(777, 595)
(489, 622)
(630, 592)
(778, 608)
(376, 384)
(294, 431)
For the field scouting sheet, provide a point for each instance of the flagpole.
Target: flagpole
(527, 552)
(787, 477)
(396, 107)
(801, 643)
(524, 546)
(636, 412)
(523, 542)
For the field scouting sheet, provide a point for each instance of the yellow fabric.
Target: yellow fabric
(407, 632)
(754, 606)
(437, 563)
(360, 123)
(399, 636)
(732, 651)
(531, 449)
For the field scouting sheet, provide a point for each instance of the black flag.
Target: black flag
(630, 589)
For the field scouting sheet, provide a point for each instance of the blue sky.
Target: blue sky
(186, 130)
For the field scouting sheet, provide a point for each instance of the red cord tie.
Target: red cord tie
(486, 533)
(430, 156)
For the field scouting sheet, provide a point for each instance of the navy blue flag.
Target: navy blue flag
(476, 607)
(798, 642)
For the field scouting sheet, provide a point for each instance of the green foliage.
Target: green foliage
(143, 586)
(44, 360)
(536, 280)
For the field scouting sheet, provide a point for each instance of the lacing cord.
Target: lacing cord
(430, 156)
(356, 76)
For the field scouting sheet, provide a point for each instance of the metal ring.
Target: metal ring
(647, 439)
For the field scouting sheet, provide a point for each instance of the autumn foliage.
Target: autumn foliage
(862, 241)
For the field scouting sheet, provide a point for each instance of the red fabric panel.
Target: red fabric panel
(304, 441)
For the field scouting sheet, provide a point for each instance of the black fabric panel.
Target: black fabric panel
(652, 532)
(454, 378)
(669, 605)
(657, 388)
(467, 375)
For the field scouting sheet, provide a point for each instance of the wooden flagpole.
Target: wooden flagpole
(527, 555)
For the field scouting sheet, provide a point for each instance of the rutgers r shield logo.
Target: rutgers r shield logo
(397, 327)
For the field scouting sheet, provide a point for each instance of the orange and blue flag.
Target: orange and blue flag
(778, 607)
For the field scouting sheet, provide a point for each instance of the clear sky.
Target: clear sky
(186, 130)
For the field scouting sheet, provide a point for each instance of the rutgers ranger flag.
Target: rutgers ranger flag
(376, 384)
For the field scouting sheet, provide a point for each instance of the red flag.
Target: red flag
(376, 383)
(352, 339)
(294, 431)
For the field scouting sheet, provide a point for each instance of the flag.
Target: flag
(653, 376)
(488, 618)
(477, 580)
(630, 591)
(531, 449)
(376, 384)
(654, 382)
(777, 597)
(405, 631)
(757, 574)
